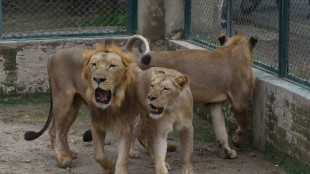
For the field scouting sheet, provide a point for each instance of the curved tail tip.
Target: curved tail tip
(87, 137)
(146, 59)
(31, 135)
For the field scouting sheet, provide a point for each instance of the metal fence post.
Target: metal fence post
(187, 16)
(228, 18)
(134, 16)
(0, 19)
(129, 16)
(283, 38)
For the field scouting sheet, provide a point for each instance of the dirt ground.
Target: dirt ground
(20, 156)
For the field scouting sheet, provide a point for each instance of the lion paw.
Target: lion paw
(73, 154)
(237, 138)
(134, 154)
(64, 161)
(227, 153)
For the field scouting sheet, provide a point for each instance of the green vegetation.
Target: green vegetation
(24, 99)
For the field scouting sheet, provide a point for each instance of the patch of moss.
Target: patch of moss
(202, 135)
(289, 163)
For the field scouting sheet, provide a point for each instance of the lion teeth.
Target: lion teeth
(106, 99)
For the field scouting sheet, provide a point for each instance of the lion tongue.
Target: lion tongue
(103, 95)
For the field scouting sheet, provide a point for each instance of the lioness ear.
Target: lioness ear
(159, 72)
(222, 38)
(253, 41)
(182, 81)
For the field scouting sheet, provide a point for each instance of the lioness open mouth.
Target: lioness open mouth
(102, 96)
(155, 110)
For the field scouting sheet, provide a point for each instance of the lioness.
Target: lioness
(108, 88)
(216, 76)
(168, 106)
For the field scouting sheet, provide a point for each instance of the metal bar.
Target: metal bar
(283, 38)
(228, 18)
(134, 16)
(63, 36)
(0, 19)
(187, 16)
(129, 16)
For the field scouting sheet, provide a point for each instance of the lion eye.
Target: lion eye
(166, 89)
(94, 64)
(152, 86)
(112, 66)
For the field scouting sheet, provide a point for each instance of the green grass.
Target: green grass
(24, 99)
(199, 134)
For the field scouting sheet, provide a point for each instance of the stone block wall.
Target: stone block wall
(288, 122)
(23, 64)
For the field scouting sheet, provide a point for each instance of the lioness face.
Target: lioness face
(107, 70)
(164, 90)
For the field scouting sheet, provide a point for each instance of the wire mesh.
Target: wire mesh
(260, 17)
(47, 18)
(205, 24)
(299, 39)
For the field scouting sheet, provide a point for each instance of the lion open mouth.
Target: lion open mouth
(155, 110)
(103, 96)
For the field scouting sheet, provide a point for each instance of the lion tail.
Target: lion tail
(132, 40)
(32, 135)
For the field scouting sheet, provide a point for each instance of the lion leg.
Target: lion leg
(123, 153)
(240, 114)
(186, 137)
(218, 122)
(65, 113)
(160, 149)
(99, 140)
(137, 130)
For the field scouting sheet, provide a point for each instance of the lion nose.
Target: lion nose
(99, 80)
(151, 98)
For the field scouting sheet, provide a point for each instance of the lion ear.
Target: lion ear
(222, 39)
(253, 41)
(182, 81)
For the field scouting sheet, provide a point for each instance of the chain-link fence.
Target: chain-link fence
(50, 18)
(286, 53)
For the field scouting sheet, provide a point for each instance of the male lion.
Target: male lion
(216, 76)
(167, 106)
(106, 80)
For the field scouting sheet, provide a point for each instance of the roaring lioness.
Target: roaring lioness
(168, 105)
(216, 76)
(105, 78)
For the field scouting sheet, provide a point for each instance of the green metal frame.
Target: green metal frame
(187, 16)
(132, 23)
(0, 19)
(283, 38)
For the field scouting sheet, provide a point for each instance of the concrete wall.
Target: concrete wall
(161, 19)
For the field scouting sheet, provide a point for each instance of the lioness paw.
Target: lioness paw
(227, 153)
(134, 154)
(167, 166)
(171, 147)
(237, 138)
